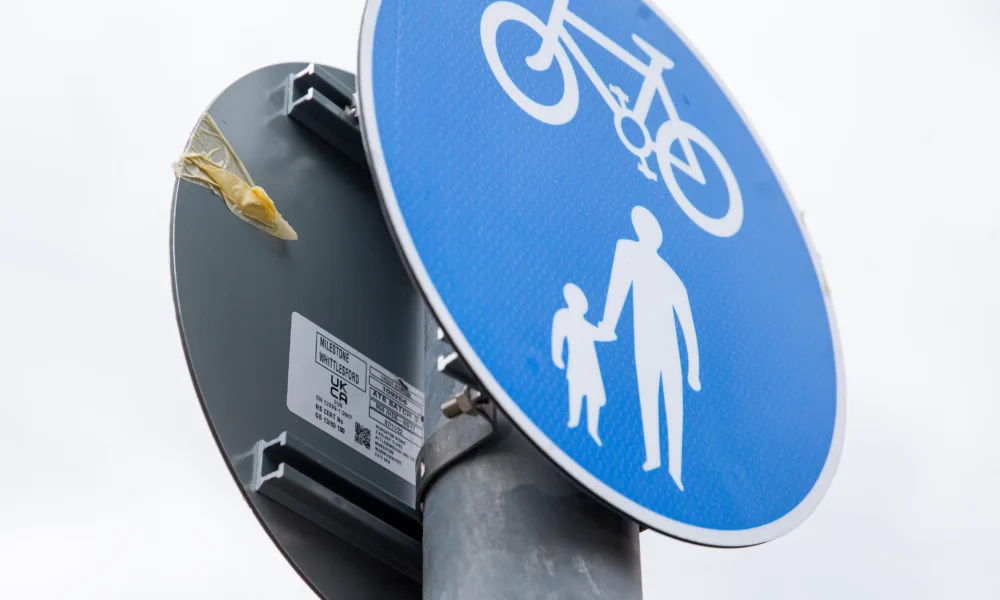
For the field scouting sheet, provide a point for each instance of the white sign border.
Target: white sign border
(656, 521)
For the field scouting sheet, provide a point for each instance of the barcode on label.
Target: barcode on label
(363, 436)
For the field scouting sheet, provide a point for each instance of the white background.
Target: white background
(881, 116)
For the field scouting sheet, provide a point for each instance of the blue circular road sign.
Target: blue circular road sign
(602, 237)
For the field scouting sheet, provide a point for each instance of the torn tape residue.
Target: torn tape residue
(210, 161)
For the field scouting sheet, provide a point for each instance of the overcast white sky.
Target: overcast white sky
(882, 117)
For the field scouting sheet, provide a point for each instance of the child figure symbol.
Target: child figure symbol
(658, 294)
(583, 372)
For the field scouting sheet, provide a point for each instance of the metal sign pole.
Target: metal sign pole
(504, 522)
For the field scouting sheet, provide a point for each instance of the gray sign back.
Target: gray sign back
(235, 290)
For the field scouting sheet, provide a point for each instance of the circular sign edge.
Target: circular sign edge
(736, 538)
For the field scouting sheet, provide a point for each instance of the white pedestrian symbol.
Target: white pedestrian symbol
(657, 291)
(555, 41)
(570, 327)
(657, 295)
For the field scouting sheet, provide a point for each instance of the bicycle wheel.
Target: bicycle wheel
(674, 130)
(559, 113)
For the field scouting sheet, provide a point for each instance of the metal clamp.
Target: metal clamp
(474, 422)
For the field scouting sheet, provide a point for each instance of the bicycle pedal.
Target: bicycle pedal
(620, 95)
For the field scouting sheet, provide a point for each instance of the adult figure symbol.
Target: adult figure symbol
(657, 294)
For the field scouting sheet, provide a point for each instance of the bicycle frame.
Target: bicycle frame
(653, 84)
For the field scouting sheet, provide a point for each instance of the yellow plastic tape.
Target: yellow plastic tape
(210, 161)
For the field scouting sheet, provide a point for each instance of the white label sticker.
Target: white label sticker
(350, 397)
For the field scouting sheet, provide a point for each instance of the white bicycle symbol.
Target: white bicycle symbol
(562, 112)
